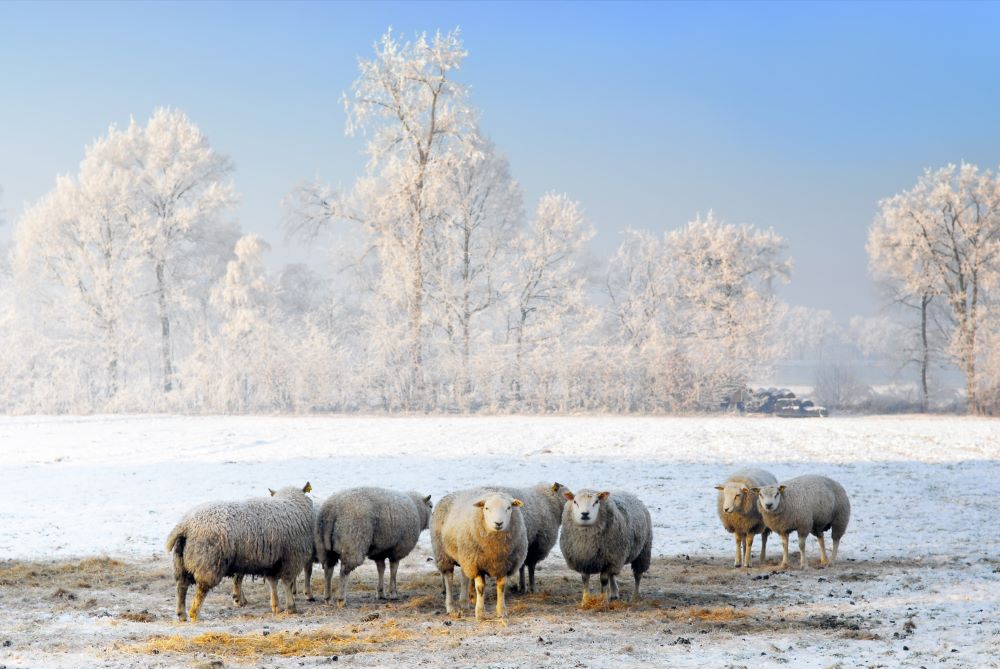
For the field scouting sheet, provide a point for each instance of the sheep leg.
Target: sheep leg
(501, 600)
(635, 591)
(822, 550)
(182, 591)
(345, 574)
(289, 594)
(308, 575)
(784, 551)
(833, 556)
(393, 568)
(531, 577)
(480, 597)
(802, 550)
(605, 581)
(327, 578)
(199, 597)
(272, 583)
(449, 581)
(470, 590)
(614, 586)
(739, 549)
(586, 589)
(520, 580)
(747, 545)
(763, 546)
(238, 598)
(380, 591)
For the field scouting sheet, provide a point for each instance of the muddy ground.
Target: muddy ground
(105, 612)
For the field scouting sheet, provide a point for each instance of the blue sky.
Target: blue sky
(794, 116)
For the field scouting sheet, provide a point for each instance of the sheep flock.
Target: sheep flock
(489, 532)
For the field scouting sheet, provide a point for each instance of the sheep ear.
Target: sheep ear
(781, 488)
(556, 486)
(755, 491)
(272, 492)
(517, 502)
(427, 500)
(568, 495)
(719, 487)
(744, 490)
(481, 503)
(307, 487)
(603, 495)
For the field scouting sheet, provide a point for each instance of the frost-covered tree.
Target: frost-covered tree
(943, 237)
(183, 191)
(547, 307)
(420, 125)
(75, 261)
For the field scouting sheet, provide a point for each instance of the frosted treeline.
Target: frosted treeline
(129, 287)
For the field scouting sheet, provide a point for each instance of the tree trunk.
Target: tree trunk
(925, 354)
(168, 371)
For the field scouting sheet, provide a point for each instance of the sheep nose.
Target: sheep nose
(768, 506)
(585, 515)
(498, 524)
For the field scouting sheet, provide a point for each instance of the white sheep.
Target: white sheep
(737, 509)
(603, 531)
(371, 523)
(482, 531)
(805, 505)
(271, 537)
(542, 510)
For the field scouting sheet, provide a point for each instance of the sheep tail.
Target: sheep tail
(177, 539)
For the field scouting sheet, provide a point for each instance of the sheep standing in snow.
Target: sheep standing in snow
(737, 508)
(806, 505)
(601, 532)
(374, 523)
(240, 600)
(270, 537)
(542, 511)
(482, 531)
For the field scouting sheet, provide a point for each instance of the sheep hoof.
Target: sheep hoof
(341, 603)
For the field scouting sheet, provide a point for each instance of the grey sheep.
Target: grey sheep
(806, 505)
(601, 532)
(374, 523)
(542, 511)
(270, 537)
(737, 509)
(240, 600)
(483, 532)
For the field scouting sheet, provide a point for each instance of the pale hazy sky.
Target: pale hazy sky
(794, 116)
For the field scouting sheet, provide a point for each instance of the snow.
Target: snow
(922, 539)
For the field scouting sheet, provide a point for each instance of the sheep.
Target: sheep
(737, 509)
(806, 505)
(270, 536)
(603, 531)
(483, 532)
(371, 523)
(240, 600)
(542, 511)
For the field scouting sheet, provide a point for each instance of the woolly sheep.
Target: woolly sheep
(371, 523)
(806, 505)
(483, 532)
(240, 600)
(737, 509)
(542, 511)
(271, 537)
(601, 532)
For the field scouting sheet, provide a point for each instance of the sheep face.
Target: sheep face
(734, 496)
(586, 506)
(769, 497)
(497, 511)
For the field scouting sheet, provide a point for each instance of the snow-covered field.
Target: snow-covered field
(923, 545)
